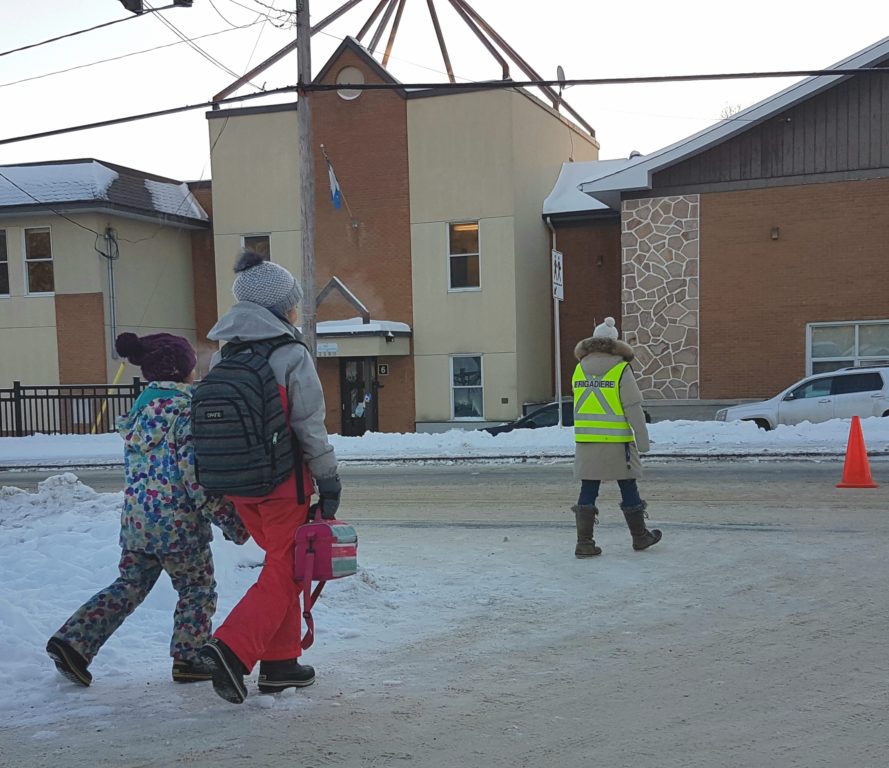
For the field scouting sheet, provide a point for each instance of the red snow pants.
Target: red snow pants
(266, 624)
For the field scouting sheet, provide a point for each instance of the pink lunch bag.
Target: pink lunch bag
(323, 550)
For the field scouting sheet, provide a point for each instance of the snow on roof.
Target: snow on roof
(355, 325)
(55, 183)
(174, 199)
(566, 196)
(638, 175)
(90, 181)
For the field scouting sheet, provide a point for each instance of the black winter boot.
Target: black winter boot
(586, 518)
(227, 670)
(69, 662)
(275, 676)
(642, 537)
(194, 671)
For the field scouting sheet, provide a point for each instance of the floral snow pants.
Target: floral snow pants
(192, 576)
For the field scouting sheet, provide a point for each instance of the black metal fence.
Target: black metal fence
(64, 409)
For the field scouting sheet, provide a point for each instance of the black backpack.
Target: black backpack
(243, 443)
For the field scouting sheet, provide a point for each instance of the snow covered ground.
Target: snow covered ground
(669, 438)
(752, 636)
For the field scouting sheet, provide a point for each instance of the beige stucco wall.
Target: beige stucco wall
(154, 283)
(27, 323)
(460, 163)
(491, 157)
(153, 279)
(541, 143)
(255, 190)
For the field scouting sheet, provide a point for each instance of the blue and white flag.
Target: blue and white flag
(336, 196)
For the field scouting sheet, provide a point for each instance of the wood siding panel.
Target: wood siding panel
(80, 330)
(841, 130)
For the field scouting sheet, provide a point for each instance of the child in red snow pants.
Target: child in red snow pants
(266, 624)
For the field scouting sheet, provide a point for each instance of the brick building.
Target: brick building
(433, 275)
(746, 256)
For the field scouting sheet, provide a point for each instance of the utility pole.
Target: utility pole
(306, 173)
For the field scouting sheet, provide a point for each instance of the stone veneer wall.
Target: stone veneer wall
(660, 245)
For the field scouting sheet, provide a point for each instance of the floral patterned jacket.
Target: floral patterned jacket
(165, 510)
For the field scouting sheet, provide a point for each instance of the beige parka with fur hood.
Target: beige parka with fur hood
(612, 461)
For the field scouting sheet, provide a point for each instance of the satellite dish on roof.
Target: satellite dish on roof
(635, 153)
(560, 76)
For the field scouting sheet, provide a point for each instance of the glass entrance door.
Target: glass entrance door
(358, 396)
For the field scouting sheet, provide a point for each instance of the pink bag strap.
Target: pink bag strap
(309, 597)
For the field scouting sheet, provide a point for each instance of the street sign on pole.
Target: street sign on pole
(558, 276)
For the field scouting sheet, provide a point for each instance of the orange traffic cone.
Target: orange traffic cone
(856, 470)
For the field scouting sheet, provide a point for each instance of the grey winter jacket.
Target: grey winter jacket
(612, 461)
(294, 370)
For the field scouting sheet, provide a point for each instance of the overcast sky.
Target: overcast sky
(589, 39)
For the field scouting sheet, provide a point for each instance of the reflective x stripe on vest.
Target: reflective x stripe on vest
(598, 413)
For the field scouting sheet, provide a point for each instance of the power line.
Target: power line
(193, 45)
(80, 32)
(451, 87)
(284, 19)
(126, 55)
(53, 210)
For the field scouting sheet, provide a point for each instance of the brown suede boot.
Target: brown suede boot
(585, 516)
(642, 537)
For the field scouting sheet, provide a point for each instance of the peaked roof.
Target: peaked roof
(606, 184)
(351, 44)
(89, 183)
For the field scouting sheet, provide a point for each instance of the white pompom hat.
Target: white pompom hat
(606, 330)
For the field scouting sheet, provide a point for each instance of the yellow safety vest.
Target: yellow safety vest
(598, 414)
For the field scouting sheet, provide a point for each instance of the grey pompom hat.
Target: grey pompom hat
(265, 283)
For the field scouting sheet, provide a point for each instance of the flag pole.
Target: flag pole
(342, 194)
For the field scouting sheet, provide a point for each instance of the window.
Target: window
(38, 261)
(463, 252)
(843, 345)
(466, 387)
(258, 244)
(817, 388)
(857, 382)
(4, 265)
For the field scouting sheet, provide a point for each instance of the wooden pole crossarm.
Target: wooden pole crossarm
(278, 55)
(344, 8)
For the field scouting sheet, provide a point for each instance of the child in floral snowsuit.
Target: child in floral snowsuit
(165, 521)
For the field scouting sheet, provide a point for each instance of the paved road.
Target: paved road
(687, 491)
(478, 479)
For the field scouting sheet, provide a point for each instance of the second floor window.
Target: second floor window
(4, 265)
(463, 271)
(38, 261)
(260, 244)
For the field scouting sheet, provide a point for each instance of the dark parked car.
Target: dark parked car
(543, 416)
